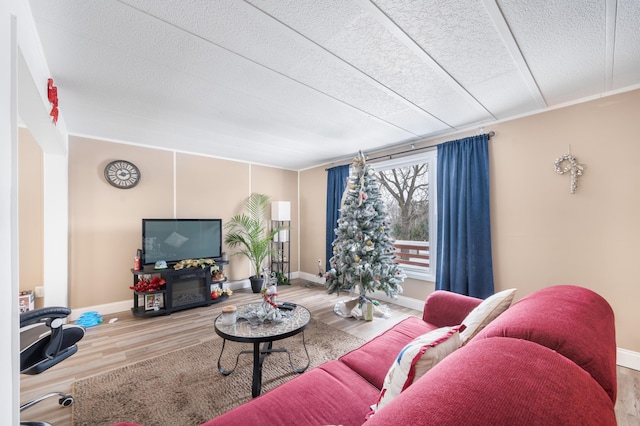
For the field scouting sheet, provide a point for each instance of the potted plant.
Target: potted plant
(248, 233)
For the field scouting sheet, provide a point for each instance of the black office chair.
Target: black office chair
(44, 342)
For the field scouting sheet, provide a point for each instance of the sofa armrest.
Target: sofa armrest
(445, 308)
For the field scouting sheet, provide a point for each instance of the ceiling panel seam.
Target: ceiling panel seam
(410, 43)
(514, 50)
(248, 59)
(611, 13)
(352, 67)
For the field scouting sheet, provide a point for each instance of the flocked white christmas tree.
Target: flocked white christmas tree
(363, 250)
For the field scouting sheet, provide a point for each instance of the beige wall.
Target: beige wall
(31, 213)
(542, 234)
(313, 200)
(213, 188)
(105, 222)
(281, 185)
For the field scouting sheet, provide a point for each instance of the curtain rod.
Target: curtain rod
(489, 136)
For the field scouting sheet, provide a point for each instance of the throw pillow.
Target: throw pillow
(485, 312)
(416, 358)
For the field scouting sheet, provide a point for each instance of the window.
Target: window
(408, 190)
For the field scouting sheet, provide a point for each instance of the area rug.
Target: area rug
(185, 388)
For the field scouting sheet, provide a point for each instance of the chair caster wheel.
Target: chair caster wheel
(66, 400)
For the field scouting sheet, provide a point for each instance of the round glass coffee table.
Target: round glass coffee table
(248, 329)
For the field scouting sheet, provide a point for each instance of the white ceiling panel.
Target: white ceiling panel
(265, 41)
(365, 42)
(480, 62)
(299, 83)
(626, 63)
(564, 44)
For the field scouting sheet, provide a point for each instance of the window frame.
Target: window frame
(430, 157)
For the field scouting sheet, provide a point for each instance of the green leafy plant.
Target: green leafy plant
(247, 232)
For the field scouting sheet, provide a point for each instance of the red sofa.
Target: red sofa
(550, 359)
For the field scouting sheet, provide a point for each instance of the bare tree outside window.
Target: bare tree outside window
(407, 189)
(405, 192)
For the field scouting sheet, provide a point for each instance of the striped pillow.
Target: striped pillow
(416, 358)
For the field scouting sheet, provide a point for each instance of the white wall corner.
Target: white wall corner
(9, 275)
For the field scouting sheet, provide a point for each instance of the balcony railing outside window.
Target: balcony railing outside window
(413, 254)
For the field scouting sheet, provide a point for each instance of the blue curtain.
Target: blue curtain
(336, 182)
(464, 262)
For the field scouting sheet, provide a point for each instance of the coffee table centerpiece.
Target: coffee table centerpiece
(269, 310)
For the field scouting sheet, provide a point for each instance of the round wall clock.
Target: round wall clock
(122, 174)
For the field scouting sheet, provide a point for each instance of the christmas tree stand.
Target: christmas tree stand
(361, 308)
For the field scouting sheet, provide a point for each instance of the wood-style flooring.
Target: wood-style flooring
(130, 339)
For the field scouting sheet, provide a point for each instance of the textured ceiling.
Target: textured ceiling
(299, 83)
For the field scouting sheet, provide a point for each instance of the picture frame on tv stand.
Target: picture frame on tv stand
(153, 302)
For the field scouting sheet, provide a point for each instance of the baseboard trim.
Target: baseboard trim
(106, 309)
(407, 302)
(237, 285)
(628, 359)
(309, 277)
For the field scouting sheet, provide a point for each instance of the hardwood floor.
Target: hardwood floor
(129, 340)
(628, 403)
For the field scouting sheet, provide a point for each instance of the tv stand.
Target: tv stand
(184, 289)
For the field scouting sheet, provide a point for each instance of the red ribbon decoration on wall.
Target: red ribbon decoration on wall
(52, 92)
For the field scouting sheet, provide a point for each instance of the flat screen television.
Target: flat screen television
(173, 240)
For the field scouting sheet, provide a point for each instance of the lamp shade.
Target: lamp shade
(281, 210)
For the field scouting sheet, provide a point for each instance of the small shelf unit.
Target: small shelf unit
(280, 260)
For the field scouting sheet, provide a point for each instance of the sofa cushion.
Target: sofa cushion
(416, 358)
(573, 321)
(328, 394)
(488, 310)
(373, 359)
(501, 381)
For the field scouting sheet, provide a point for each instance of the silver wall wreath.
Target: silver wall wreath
(576, 169)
